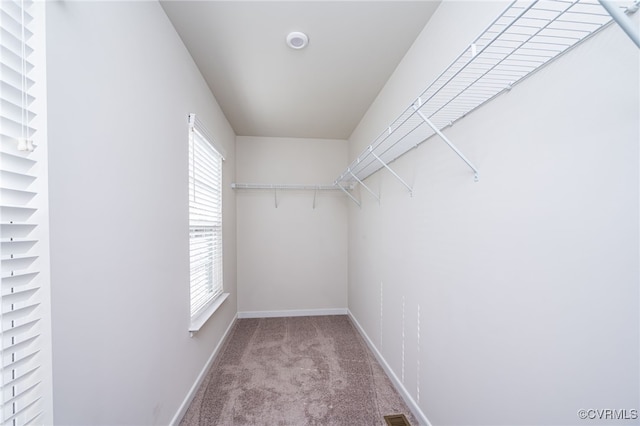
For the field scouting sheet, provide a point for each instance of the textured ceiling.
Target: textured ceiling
(268, 89)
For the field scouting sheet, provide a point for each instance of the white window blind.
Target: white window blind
(205, 217)
(24, 342)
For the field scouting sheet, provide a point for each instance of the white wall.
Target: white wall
(517, 295)
(121, 84)
(292, 257)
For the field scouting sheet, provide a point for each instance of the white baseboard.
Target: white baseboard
(293, 313)
(194, 389)
(413, 406)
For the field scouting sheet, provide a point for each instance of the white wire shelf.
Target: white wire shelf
(287, 187)
(526, 36)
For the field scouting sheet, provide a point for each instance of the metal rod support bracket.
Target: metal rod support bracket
(451, 145)
(365, 186)
(348, 194)
(315, 193)
(391, 171)
(625, 23)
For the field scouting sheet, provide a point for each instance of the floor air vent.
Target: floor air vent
(397, 420)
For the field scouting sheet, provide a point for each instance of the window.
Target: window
(25, 349)
(205, 224)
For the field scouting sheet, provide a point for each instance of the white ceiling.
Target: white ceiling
(268, 89)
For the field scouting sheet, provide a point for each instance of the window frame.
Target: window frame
(206, 255)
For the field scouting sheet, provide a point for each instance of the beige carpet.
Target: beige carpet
(295, 371)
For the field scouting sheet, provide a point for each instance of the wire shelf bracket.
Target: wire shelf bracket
(343, 189)
(386, 166)
(625, 23)
(365, 186)
(524, 38)
(446, 140)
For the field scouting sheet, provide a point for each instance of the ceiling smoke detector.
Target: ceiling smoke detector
(297, 40)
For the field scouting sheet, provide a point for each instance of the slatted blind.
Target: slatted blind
(23, 250)
(205, 217)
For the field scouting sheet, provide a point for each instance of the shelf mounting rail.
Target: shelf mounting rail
(525, 37)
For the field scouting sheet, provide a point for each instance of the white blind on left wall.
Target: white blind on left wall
(205, 218)
(24, 293)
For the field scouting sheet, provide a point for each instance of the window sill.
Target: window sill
(197, 322)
